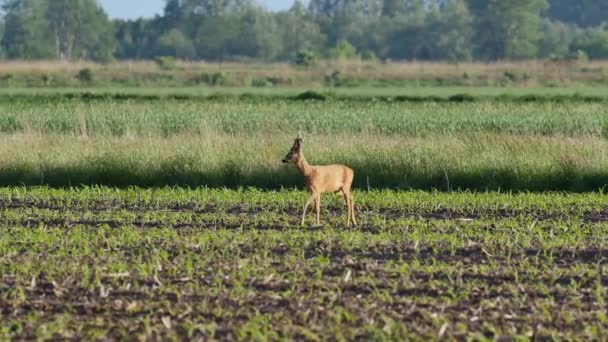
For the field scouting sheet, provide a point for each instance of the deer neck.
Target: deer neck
(303, 166)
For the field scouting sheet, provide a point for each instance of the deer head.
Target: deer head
(294, 153)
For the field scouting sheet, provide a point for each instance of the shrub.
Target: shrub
(215, 79)
(334, 79)
(261, 83)
(306, 58)
(86, 76)
(311, 95)
(593, 42)
(166, 62)
(461, 98)
(343, 50)
(368, 55)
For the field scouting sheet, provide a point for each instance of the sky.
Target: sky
(132, 9)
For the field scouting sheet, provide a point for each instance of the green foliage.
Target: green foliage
(166, 62)
(174, 43)
(298, 31)
(584, 13)
(86, 76)
(446, 30)
(26, 34)
(368, 55)
(261, 83)
(214, 79)
(335, 79)
(556, 38)
(306, 58)
(343, 50)
(506, 29)
(311, 95)
(62, 29)
(593, 42)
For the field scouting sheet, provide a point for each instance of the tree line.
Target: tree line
(219, 30)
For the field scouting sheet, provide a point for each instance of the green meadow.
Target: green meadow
(166, 214)
(239, 141)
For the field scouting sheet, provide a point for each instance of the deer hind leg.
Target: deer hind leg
(318, 205)
(347, 203)
(310, 199)
(352, 208)
(348, 199)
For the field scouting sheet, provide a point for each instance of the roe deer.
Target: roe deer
(322, 178)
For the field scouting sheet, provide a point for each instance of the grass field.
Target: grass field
(175, 263)
(487, 145)
(166, 214)
(343, 73)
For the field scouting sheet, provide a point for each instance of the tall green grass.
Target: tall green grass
(234, 143)
(469, 161)
(172, 117)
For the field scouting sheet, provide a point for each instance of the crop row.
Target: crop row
(176, 263)
(172, 117)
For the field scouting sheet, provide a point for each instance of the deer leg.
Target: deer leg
(346, 201)
(352, 208)
(310, 199)
(318, 205)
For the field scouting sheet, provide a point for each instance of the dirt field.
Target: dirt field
(159, 264)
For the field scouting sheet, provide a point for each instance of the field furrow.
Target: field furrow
(175, 263)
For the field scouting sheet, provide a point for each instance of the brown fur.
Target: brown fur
(322, 178)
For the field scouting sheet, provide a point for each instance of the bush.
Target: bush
(343, 50)
(461, 98)
(368, 55)
(334, 79)
(580, 56)
(166, 62)
(311, 95)
(594, 43)
(261, 83)
(306, 58)
(215, 79)
(86, 76)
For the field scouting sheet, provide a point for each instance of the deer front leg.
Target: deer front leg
(352, 209)
(347, 203)
(310, 199)
(318, 205)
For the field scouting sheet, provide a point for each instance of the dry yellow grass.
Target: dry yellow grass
(530, 73)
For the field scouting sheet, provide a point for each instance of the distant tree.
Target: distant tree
(395, 8)
(343, 19)
(227, 29)
(299, 32)
(258, 36)
(175, 43)
(594, 42)
(447, 31)
(137, 39)
(26, 34)
(584, 13)
(556, 38)
(407, 35)
(343, 50)
(215, 37)
(81, 29)
(215, 8)
(65, 29)
(306, 58)
(506, 28)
